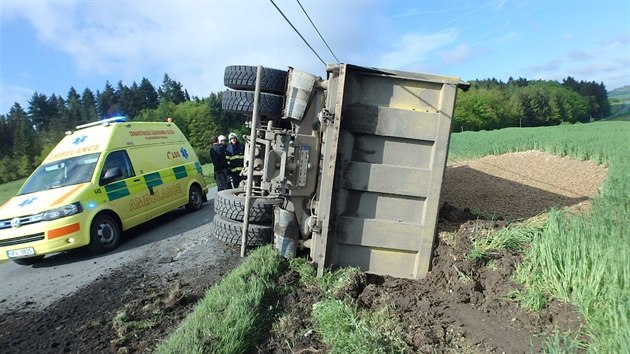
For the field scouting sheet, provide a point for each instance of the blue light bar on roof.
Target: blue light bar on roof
(106, 121)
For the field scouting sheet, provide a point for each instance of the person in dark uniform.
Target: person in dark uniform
(235, 157)
(219, 162)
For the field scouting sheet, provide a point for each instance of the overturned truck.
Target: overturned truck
(346, 170)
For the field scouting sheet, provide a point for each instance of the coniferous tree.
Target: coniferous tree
(25, 142)
(5, 143)
(74, 109)
(59, 122)
(107, 101)
(148, 95)
(89, 111)
(40, 111)
(171, 91)
(126, 104)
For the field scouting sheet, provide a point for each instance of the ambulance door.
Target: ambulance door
(127, 193)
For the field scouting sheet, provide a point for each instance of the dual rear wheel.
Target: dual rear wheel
(229, 208)
(242, 80)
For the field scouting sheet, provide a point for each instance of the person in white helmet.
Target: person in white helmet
(235, 156)
(219, 162)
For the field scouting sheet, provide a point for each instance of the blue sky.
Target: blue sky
(50, 46)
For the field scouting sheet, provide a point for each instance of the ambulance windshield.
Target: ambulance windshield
(61, 173)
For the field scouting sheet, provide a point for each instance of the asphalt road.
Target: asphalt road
(174, 240)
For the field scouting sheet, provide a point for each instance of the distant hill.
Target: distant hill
(622, 93)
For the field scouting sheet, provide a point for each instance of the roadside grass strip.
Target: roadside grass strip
(344, 327)
(9, 189)
(581, 259)
(347, 329)
(233, 314)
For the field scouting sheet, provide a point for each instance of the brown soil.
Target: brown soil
(461, 306)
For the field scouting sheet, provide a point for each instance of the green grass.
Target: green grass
(232, 315)
(347, 329)
(9, 190)
(343, 326)
(514, 237)
(582, 259)
(208, 174)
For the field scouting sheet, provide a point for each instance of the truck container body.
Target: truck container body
(383, 163)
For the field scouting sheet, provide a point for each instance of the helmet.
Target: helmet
(232, 135)
(222, 138)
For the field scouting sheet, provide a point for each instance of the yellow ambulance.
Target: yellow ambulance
(100, 180)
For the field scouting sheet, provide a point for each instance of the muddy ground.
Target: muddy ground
(462, 306)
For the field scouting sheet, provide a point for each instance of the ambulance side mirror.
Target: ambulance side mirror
(110, 175)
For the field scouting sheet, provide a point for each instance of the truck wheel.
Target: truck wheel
(28, 261)
(243, 77)
(230, 203)
(195, 198)
(238, 101)
(104, 233)
(231, 231)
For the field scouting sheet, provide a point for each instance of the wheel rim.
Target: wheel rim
(106, 233)
(195, 198)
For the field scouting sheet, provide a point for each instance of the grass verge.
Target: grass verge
(10, 189)
(233, 314)
(343, 326)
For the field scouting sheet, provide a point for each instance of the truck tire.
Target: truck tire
(230, 203)
(243, 77)
(104, 233)
(231, 231)
(238, 101)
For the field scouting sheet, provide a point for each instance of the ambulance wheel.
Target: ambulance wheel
(243, 77)
(230, 203)
(104, 233)
(231, 231)
(195, 198)
(28, 261)
(237, 101)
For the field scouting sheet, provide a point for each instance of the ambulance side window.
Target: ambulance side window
(116, 167)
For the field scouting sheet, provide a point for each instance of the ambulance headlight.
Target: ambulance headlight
(61, 212)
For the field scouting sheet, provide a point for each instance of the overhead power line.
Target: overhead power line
(298, 32)
(320, 35)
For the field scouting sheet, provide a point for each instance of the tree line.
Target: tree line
(492, 104)
(28, 134)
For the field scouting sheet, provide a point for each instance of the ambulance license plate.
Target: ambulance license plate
(22, 252)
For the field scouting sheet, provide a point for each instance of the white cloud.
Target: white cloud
(192, 41)
(10, 94)
(414, 48)
(459, 54)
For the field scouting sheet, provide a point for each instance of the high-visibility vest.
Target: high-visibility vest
(235, 157)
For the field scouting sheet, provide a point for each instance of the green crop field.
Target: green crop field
(582, 259)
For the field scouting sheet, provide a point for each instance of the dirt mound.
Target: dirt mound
(461, 305)
(464, 305)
